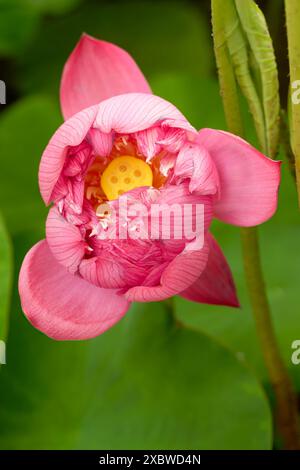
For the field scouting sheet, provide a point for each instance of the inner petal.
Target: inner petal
(123, 174)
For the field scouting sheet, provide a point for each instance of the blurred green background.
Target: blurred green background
(153, 381)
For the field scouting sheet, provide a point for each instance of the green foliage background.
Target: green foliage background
(195, 380)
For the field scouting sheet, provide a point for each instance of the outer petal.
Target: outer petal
(135, 112)
(97, 70)
(61, 305)
(215, 285)
(248, 180)
(71, 133)
(180, 273)
(64, 240)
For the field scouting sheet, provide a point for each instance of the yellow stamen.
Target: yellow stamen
(123, 174)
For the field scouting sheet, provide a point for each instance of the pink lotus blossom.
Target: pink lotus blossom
(76, 284)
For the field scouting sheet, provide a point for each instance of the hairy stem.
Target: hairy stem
(286, 402)
(292, 9)
(169, 305)
(286, 146)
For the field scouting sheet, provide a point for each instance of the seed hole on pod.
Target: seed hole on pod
(127, 180)
(114, 179)
(122, 168)
(137, 173)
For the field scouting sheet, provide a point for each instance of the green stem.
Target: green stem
(169, 306)
(286, 402)
(292, 9)
(286, 146)
(170, 309)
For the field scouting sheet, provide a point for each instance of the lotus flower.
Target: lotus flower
(119, 140)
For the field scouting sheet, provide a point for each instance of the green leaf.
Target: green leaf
(138, 27)
(260, 43)
(198, 99)
(292, 14)
(241, 26)
(227, 79)
(6, 267)
(25, 129)
(52, 6)
(20, 20)
(18, 24)
(145, 384)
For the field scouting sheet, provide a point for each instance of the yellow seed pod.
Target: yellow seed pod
(123, 174)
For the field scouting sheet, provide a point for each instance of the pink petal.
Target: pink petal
(195, 163)
(64, 240)
(101, 143)
(80, 158)
(180, 273)
(248, 180)
(180, 195)
(61, 305)
(147, 142)
(173, 139)
(167, 163)
(215, 285)
(97, 70)
(105, 271)
(135, 112)
(71, 133)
